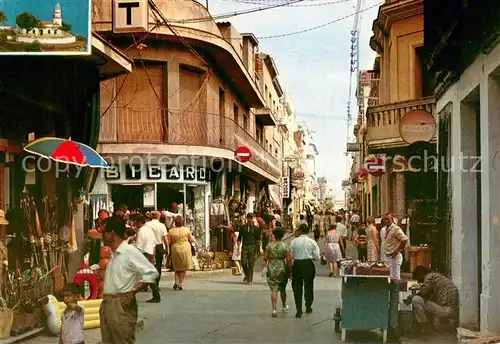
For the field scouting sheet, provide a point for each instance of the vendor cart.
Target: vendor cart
(365, 304)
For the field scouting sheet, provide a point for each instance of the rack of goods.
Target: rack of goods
(365, 298)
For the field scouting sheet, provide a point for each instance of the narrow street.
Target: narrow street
(224, 310)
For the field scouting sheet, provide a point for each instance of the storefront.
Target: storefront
(155, 186)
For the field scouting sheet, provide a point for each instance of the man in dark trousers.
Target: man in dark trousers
(304, 251)
(250, 237)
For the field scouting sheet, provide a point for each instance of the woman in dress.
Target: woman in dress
(237, 252)
(372, 241)
(279, 266)
(333, 243)
(180, 239)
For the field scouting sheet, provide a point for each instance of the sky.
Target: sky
(313, 67)
(74, 12)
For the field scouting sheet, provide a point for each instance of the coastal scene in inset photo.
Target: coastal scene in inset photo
(45, 27)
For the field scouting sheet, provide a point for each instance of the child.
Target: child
(72, 318)
(361, 242)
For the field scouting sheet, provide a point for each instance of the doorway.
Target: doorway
(130, 195)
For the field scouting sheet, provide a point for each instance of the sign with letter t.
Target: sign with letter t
(130, 16)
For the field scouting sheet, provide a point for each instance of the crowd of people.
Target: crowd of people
(139, 243)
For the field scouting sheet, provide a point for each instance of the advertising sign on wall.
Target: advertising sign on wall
(45, 27)
(285, 187)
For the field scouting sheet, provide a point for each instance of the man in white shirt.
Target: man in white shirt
(394, 243)
(304, 251)
(342, 230)
(146, 242)
(126, 273)
(355, 221)
(160, 232)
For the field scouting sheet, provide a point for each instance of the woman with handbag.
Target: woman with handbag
(180, 239)
(333, 245)
(278, 265)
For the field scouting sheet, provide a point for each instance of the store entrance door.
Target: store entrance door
(130, 195)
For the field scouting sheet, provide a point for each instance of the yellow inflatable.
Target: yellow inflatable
(53, 310)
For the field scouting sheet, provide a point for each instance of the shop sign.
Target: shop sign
(45, 27)
(157, 173)
(417, 126)
(130, 16)
(362, 175)
(285, 187)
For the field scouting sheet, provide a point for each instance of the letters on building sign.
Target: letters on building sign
(285, 191)
(130, 16)
(159, 173)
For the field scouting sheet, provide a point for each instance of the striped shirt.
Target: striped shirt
(362, 238)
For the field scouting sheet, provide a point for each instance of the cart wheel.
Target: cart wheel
(337, 317)
(337, 326)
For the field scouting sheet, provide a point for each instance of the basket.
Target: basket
(6, 319)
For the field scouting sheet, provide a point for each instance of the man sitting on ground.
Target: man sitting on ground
(438, 298)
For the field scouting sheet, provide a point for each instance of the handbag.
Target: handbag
(264, 271)
(324, 261)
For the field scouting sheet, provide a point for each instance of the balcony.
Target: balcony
(383, 121)
(130, 125)
(265, 116)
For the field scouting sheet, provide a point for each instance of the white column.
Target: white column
(207, 196)
(464, 213)
(490, 200)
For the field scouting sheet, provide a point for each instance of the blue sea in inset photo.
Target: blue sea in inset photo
(73, 12)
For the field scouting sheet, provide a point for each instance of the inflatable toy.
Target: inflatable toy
(85, 274)
(53, 310)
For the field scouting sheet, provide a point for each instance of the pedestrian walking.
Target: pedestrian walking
(249, 237)
(342, 230)
(160, 234)
(279, 266)
(180, 239)
(304, 252)
(146, 242)
(394, 243)
(127, 272)
(333, 249)
(236, 256)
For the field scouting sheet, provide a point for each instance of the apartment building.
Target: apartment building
(199, 91)
(400, 125)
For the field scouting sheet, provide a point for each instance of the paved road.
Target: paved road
(224, 310)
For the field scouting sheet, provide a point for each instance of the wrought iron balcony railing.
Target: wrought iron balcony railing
(179, 127)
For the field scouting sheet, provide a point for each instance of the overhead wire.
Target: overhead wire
(318, 26)
(327, 3)
(235, 13)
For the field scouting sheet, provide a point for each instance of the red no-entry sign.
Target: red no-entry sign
(242, 154)
(376, 166)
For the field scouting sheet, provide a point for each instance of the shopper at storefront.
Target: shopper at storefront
(94, 256)
(250, 237)
(180, 239)
(127, 272)
(395, 242)
(160, 233)
(146, 242)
